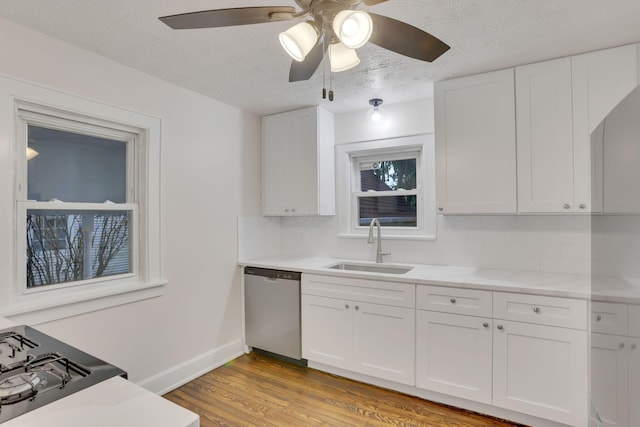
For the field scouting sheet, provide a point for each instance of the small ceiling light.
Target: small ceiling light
(31, 153)
(375, 114)
(298, 40)
(353, 27)
(342, 58)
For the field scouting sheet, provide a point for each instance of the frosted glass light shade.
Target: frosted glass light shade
(353, 27)
(298, 40)
(342, 58)
(31, 153)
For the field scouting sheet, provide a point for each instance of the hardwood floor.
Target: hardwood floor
(256, 390)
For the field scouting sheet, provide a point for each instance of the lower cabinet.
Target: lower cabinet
(454, 355)
(505, 360)
(540, 370)
(356, 335)
(615, 364)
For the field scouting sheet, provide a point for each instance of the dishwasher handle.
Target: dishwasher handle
(272, 274)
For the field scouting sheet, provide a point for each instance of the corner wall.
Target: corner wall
(210, 176)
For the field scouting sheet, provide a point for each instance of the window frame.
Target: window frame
(348, 158)
(63, 301)
(27, 115)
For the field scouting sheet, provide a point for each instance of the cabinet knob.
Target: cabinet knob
(485, 324)
(286, 210)
(500, 327)
(633, 346)
(566, 206)
(346, 306)
(536, 309)
(598, 317)
(356, 307)
(453, 300)
(293, 209)
(621, 345)
(582, 206)
(440, 208)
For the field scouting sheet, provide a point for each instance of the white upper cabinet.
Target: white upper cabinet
(475, 144)
(545, 138)
(556, 107)
(600, 81)
(298, 163)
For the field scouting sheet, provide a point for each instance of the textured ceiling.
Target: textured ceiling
(246, 67)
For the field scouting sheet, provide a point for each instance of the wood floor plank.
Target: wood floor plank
(256, 390)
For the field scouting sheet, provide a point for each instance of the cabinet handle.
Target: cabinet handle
(500, 327)
(536, 309)
(621, 345)
(566, 206)
(582, 206)
(453, 300)
(485, 324)
(346, 306)
(598, 317)
(357, 308)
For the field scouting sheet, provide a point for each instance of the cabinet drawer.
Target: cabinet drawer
(542, 310)
(454, 300)
(609, 318)
(634, 320)
(373, 291)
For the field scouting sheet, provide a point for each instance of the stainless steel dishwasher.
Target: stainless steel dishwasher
(272, 311)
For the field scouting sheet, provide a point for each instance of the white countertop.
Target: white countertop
(539, 283)
(115, 402)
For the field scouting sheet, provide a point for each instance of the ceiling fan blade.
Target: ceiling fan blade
(304, 70)
(373, 2)
(228, 17)
(405, 39)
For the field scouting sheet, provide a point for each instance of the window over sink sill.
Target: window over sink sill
(392, 180)
(87, 204)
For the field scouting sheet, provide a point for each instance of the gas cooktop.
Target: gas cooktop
(37, 369)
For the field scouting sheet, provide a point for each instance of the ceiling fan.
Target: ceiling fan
(333, 25)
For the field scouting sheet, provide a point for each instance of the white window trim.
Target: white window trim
(346, 179)
(148, 281)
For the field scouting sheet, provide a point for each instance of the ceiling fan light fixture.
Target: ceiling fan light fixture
(298, 40)
(342, 58)
(353, 27)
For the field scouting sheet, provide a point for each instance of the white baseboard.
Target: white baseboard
(181, 374)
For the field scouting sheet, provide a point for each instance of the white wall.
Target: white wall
(210, 175)
(550, 243)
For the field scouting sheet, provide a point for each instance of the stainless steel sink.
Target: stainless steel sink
(371, 268)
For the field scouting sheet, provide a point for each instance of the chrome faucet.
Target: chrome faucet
(379, 253)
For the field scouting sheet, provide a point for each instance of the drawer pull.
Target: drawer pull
(453, 300)
(346, 306)
(485, 324)
(566, 206)
(500, 327)
(621, 345)
(598, 317)
(536, 309)
(356, 307)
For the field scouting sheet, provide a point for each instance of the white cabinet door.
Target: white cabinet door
(297, 163)
(634, 381)
(475, 144)
(545, 137)
(384, 342)
(327, 333)
(609, 380)
(600, 81)
(541, 371)
(453, 355)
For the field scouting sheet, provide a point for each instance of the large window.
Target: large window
(390, 180)
(88, 166)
